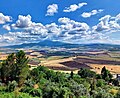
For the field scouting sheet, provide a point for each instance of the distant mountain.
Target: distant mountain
(44, 43)
(110, 47)
(49, 43)
(99, 45)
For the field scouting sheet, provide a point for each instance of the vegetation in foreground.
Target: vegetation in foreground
(17, 81)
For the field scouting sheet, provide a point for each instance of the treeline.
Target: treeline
(17, 81)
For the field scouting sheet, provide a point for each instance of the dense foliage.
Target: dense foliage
(17, 81)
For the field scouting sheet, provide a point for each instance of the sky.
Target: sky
(71, 21)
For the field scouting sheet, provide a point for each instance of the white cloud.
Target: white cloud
(34, 32)
(104, 23)
(23, 21)
(74, 7)
(4, 19)
(63, 20)
(108, 23)
(101, 27)
(52, 9)
(117, 18)
(71, 24)
(105, 19)
(66, 30)
(7, 27)
(53, 28)
(89, 14)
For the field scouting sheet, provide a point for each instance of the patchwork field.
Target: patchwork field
(3, 56)
(95, 62)
(92, 60)
(74, 64)
(114, 69)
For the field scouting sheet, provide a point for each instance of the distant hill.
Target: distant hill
(44, 43)
(111, 47)
(49, 43)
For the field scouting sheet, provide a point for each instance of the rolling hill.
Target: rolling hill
(49, 43)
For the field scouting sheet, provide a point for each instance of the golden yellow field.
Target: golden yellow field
(59, 63)
(3, 56)
(114, 69)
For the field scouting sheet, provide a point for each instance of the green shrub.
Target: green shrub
(11, 86)
(86, 73)
(100, 83)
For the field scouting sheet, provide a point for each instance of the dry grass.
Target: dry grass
(98, 63)
(3, 56)
(55, 62)
(114, 69)
(67, 65)
(99, 52)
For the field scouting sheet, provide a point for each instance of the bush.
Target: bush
(11, 86)
(12, 95)
(2, 88)
(101, 93)
(79, 90)
(113, 91)
(98, 76)
(29, 83)
(100, 83)
(36, 92)
(86, 73)
(118, 94)
(116, 82)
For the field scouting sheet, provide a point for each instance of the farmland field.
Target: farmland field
(69, 61)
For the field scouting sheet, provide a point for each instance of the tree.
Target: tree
(71, 74)
(15, 67)
(66, 93)
(116, 82)
(38, 73)
(7, 69)
(86, 73)
(100, 82)
(103, 70)
(98, 76)
(106, 75)
(78, 89)
(93, 85)
(22, 67)
(11, 86)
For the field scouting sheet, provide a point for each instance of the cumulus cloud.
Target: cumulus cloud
(72, 30)
(33, 32)
(7, 39)
(74, 7)
(28, 31)
(108, 23)
(7, 27)
(69, 24)
(52, 9)
(63, 20)
(103, 24)
(4, 19)
(101, 27)
(66, 30)
(23, 21)
(89, 14)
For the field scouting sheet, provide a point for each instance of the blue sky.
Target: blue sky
(75, 21)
